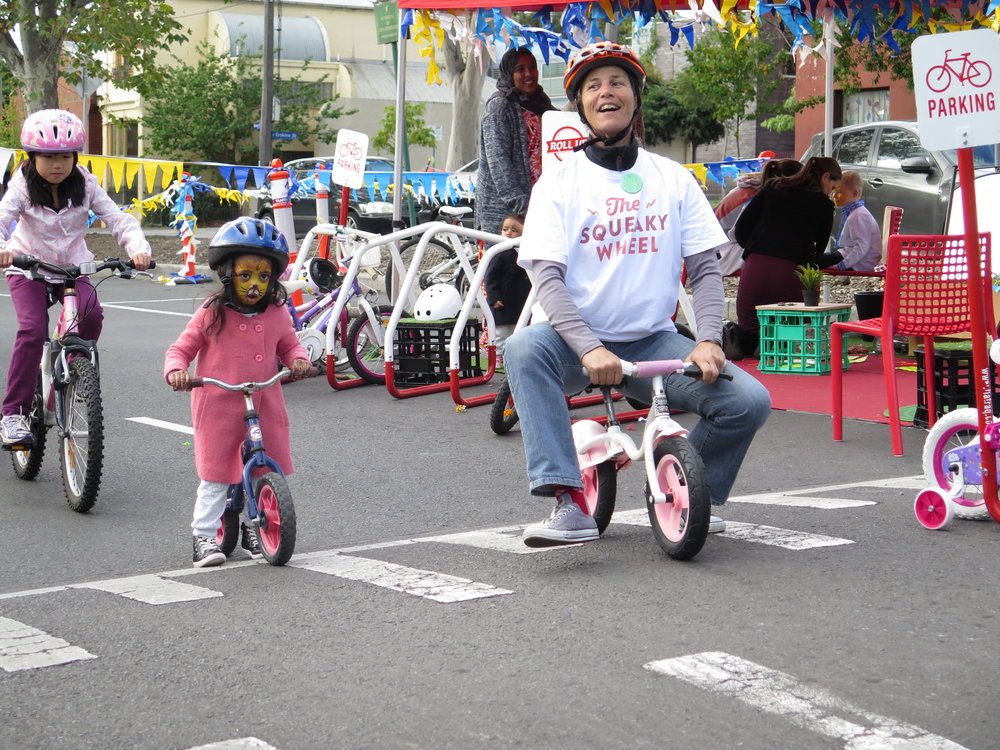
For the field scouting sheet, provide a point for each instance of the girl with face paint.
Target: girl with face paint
(242, 333)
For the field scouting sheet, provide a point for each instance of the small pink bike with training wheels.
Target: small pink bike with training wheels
(952, 463)
(677, 496)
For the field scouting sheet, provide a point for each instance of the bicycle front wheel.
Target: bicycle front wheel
(956, 429)
(600, 490)
(28, 462)
(366, 354)
(83, 438)
(503, 415)
(680, 524)
(276, 531)
(434, 266)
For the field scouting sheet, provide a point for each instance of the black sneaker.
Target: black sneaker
(249, 541)
(207, 552)
(731, 341)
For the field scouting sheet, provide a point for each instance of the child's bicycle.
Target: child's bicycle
(677, 497)
(68, 392)
(266, 498)
(952, 466)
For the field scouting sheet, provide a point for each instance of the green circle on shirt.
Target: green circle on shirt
(631, 182)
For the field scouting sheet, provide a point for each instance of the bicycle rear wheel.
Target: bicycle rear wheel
(27, 462)
(503, 415)
(276, 531)
(956, 429)
(600, 490)
(228, 533)
(680, 524)
(435, 254)
(367, 356)
(83, 438)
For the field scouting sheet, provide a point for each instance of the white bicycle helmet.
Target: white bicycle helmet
(438, 302)
(322, 275)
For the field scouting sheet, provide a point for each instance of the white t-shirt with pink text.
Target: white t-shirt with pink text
(622, 251)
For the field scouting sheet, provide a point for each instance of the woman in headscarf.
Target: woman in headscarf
(510, 141)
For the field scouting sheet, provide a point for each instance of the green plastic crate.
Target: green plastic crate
(796, 339)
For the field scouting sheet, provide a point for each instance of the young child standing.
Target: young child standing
(238, 335)
(50, 197)
(507, 284)
(858, 246)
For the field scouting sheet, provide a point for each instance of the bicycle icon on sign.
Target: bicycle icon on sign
(351, 150)
(976, 72)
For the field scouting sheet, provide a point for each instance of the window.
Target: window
(895, 145)
(871, 105)
(854, 147)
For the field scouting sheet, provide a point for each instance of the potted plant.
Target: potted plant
(811, 277)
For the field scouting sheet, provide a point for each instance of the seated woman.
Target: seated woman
(786, 225)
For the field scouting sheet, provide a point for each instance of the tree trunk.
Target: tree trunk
(466, 113)
(41, 70)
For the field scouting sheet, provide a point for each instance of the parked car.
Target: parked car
(898, 171)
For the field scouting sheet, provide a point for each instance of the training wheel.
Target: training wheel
(934, 509)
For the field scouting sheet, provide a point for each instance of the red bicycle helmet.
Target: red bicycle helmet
(52, 131)
(602, 53)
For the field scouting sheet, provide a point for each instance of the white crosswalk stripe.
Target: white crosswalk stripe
(807, 707)
(427, 584)
(244, 743)
(24, 647)
(151, 589)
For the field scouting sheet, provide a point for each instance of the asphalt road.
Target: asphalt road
(411, 616)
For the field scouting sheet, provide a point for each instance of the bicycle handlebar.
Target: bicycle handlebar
(248, 387)
(653, 367)
(117, 266)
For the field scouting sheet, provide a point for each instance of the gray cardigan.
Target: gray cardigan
(504, 182)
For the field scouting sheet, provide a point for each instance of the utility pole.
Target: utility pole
(267, 86)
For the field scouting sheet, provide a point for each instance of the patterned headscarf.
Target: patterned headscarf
(538, 102)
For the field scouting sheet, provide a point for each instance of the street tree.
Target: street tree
(734, 83)
(417, 132)
(467, 76)
(207, 109)
(665, 118)
(74, 38)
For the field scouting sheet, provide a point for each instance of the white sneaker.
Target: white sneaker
(716, 524)
(568, 524)
(15, 429)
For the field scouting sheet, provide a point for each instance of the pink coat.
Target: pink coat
(246, 349)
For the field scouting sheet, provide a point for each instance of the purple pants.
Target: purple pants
(31, 304)
(764, 280)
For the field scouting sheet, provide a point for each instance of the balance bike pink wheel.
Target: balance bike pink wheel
(934, 509)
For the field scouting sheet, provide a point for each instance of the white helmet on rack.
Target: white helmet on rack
(438, 302)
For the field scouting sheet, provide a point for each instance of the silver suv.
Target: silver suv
(897, 171)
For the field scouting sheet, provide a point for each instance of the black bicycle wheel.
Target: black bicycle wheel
(600, 490)
(503, 415)
(276, 532)
(366, 355)
(680, 524)
(27, 462)
(228, 533)
(435, 254)
(82, 441)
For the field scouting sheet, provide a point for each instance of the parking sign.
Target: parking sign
(349, 159)
(956, 79)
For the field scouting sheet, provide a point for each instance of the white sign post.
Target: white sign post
(956, 78)
(349, 165)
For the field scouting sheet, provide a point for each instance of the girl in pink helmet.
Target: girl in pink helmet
(50, 198)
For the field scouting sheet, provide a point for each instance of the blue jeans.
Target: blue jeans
(542, 370)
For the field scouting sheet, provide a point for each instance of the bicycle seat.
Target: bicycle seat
(455, 212)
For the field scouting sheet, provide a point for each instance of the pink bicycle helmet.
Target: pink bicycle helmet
(52, 131)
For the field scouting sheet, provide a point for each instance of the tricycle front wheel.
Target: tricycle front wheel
(276, 528)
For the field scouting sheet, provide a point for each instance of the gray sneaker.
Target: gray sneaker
(567, 525)
(716, 524)
(207, 552)
(15, 429)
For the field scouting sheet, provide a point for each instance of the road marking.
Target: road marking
(810, 708)
(503, 539)
(438, 587)
(244, 743)
(749, 532)
(800, 501)
(151, 589)
(161, 423)
(24, 647)
(107, 305)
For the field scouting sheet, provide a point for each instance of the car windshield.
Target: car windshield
(982, 156)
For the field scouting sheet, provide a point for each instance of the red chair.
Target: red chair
(925, 296)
